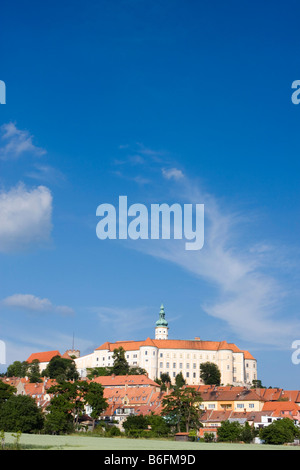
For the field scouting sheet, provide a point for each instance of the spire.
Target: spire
(162, 321)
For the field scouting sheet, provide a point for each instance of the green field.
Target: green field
(81, 442)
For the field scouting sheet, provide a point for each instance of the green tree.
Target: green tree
(61, 369)
(6, 391)
(179, 380)
(248, 433)
(136, 370)
(17, 369)
(181, 408)
(93, 396)
(34, 372)
(279, 432)
(135, 423)
(21, 413)
(121, 366)
(158, 425)
(69, 401)
(98, 372)
(230, 431)
(210, 373)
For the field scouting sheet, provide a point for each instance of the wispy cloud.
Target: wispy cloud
(15, 142)
(172, 173)
(248, 293)
(34, 304)
(25, 216)
(123, 322)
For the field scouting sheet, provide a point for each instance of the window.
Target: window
(240, 405)
(194, 366)
(161, 365)
(211, 406)
(194, 375)
(187, 374)
(251, 405)
(180, 365)
(174, 365)
(161, 355)
(167, 365)
(146, 352)
(187, 366)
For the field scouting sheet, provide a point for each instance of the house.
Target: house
(43, 358)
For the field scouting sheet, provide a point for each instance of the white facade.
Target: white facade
(163, 355)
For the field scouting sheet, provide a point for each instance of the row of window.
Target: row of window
(213, 406)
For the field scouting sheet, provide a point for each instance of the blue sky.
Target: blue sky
(173, 101)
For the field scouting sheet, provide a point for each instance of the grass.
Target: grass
(81, 442)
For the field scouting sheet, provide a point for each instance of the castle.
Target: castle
(163, 355)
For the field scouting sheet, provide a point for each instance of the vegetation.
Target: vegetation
(146, 426)
(61, 369)
(279, 432)
(68, 404)
(181, 408)
(234, 432)
(210, 373)
(20, 413)
(120, 367)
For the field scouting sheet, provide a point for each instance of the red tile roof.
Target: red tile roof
(45, 356)
(174, 344)
(122, 380)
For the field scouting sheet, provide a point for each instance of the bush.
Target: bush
(209, 437)
(279, 432)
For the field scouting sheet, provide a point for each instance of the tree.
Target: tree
(279, 432)
(61, 369)
(135, 423)
(95, 399)
(210, 373)
(6, 391)
(21, 413)
(230, 431)
(257, 384)
(69, 402)
(248, 433)
(158, 425)
(121, 366)
(34, 372)
(181, 408)
(98, 372)
(136, 370)
(179, 380)
(17, 369)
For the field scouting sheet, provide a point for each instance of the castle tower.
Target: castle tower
(161, 329)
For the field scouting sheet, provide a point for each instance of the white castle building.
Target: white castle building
(163, 355)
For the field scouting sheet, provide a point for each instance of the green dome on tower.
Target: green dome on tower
(162, 321)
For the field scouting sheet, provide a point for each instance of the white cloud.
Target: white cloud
(25, 217)
(247, 296)
(33, 304)
(15, 142)
(172, 173)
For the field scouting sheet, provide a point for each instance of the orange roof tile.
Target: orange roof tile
(43, 356)
(174, 344)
